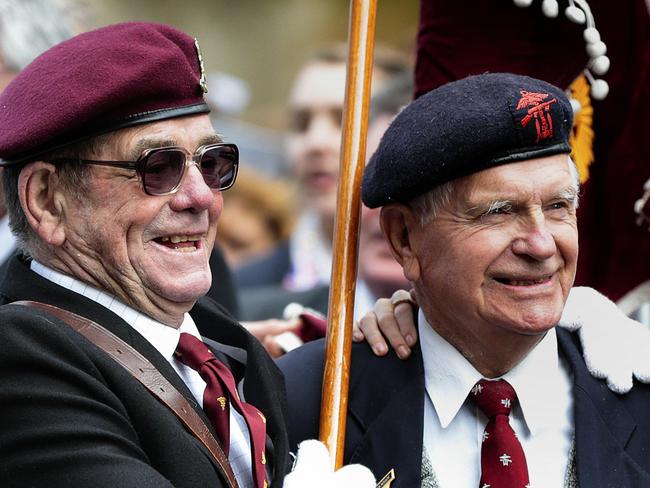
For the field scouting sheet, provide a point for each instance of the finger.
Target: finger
(272, 347)
(357, 334)
(400, 296)
(262, 328)
(405, 316)
(390, 329)
(370, 329)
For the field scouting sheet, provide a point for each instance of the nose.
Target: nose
(535, 239)
(193, 193)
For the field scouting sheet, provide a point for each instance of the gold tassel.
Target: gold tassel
(582, 133)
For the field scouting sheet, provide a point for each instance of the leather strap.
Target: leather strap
(147, 374)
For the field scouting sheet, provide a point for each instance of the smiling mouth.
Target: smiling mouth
(524, 282)
(182, 243)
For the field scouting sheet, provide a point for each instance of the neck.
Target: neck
(492, 353)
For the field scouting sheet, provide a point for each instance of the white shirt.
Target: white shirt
(165, 339)
(453, 424)
(309, 253)
(7, 240)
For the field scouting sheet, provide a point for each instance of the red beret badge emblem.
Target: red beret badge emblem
(538, 110)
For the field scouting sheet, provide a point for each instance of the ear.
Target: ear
(43, 201)
(397, 224)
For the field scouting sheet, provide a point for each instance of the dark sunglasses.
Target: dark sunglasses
(162, 169)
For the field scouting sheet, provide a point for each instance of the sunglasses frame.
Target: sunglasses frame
(139, 165)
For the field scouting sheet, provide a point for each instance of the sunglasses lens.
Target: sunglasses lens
(163, 170)
(219, 167)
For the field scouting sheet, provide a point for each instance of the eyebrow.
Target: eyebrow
(154, 143)
(570, 194)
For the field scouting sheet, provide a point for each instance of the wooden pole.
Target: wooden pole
(361, 38)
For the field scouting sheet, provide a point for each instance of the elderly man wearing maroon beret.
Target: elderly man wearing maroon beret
(113, 177)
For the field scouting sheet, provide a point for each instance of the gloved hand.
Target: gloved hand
(312, 469)
(615, 347)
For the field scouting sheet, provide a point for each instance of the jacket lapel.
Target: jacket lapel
(603, 427)
(388, 409)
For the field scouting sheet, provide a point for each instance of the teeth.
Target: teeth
(177, 239)
(528, 282)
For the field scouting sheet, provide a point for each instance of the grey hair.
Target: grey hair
(428, 204)
(73, 178)
(30, 27)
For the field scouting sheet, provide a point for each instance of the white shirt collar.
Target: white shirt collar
(449, 377)
(7, 239)
(163, 337)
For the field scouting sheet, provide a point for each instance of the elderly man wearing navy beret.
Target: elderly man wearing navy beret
(479, 198)
(113, 177)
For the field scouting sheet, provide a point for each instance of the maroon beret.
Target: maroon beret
(97, 82)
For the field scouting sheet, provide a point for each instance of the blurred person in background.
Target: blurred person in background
(313, 148)
(27, 28)
(257, 216)
(379, 275)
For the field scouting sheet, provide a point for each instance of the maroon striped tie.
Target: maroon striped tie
(220, 391)
(503, 463)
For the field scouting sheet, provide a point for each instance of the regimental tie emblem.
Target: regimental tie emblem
(539, 110)
(222, 402)
(505, 459)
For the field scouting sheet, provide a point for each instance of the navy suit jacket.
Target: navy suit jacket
(386, 412)
(266, 270)
(70, 416)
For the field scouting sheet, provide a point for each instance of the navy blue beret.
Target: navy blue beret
(97, 82)
(464, 127)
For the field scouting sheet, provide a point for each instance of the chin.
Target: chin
(185, 290)
(538, 322)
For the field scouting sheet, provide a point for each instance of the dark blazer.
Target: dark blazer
(72, 417)
(386, 411)
(266, 270)
(265, 302)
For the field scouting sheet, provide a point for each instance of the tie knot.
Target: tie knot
(192, 352)
(494, 397)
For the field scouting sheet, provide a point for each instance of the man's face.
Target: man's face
(313, 144)
(124, 239)
(377, 266)
(501, 257)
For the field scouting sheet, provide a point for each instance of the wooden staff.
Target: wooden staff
(361, 37)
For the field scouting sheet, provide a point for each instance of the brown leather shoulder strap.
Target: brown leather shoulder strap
(147, 374)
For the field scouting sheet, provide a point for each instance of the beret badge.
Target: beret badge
(202, 81)
(538, 108)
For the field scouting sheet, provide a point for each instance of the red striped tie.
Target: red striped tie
(220, 391)
(503, 463)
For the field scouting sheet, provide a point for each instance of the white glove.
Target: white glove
(615, 347)
(313, 470)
